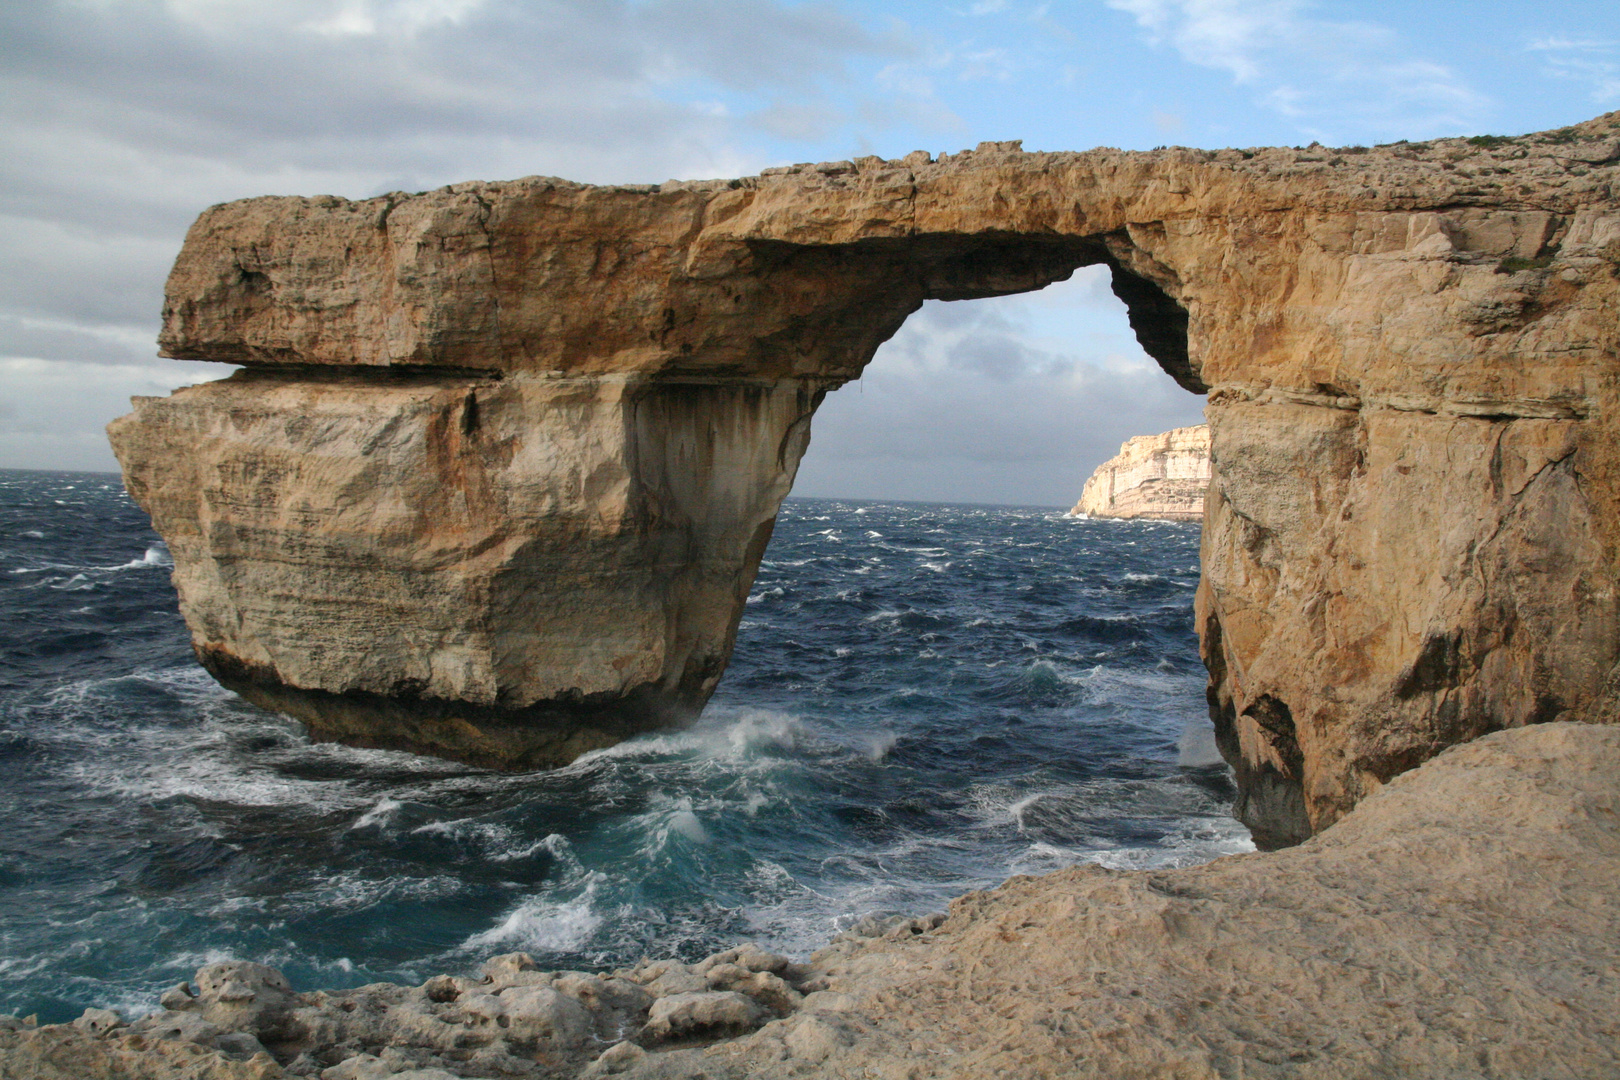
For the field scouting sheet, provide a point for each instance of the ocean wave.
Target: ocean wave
(542, 924)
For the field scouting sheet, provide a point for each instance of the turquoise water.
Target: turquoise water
(924, 700)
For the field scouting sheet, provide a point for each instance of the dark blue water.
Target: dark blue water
(924, 700)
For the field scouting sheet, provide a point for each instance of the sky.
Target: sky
(121, 119)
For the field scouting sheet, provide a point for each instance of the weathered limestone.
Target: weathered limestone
(510, 572)
(1462, 922)
(1162, 477)
(499, 473)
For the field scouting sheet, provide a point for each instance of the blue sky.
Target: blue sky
(120, 119)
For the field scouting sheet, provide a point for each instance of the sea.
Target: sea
(924, 700)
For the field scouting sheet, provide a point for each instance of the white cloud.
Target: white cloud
(1335, 79)
(1594, 61)
(1229, 34)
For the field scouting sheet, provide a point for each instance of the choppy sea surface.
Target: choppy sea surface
(924, 699)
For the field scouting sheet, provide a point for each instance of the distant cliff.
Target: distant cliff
(1153, 476)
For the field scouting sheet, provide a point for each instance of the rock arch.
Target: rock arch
(503, 457)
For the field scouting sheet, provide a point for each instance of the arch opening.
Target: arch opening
(958, 648)
(998, 390)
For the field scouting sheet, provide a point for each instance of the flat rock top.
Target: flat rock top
(542, 274)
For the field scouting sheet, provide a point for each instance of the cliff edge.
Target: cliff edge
(1161, 477)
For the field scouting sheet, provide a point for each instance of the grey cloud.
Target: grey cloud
(80, 343)
(969, 402)
(983, 440)
(121, 119)
(742, 44)
(273, 89)
(68, 272)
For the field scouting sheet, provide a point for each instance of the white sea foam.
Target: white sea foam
(380, 815)
(544, 925)
(156, 556)
(879, 743)
(724, 734)
(756, 729)
(1196, 747)
(684, 822)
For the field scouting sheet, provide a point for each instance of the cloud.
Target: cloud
(121, 119)
(1008, 400)
(1335, 79)
(1594, 61)
(53, 412)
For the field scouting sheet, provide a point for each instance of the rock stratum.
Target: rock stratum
(1461, 922)
(1161, 477)
(503, 457)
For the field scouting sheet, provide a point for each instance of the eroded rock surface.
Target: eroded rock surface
(504, 457)
(1161, 477)
(1462, 922)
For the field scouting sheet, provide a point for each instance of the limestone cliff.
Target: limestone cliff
(504, 456)
(1163, 477)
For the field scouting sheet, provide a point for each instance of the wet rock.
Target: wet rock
(177, 998)
(240, 1045)
(749, 957)
(243, 996)
(369, 1067)
(504, 970)
(178, 1027)
(662, 978)
(538, 1013)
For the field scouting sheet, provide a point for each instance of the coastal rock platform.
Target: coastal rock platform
(1463, 922)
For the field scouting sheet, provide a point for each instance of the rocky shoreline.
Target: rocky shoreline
(1462, 922)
